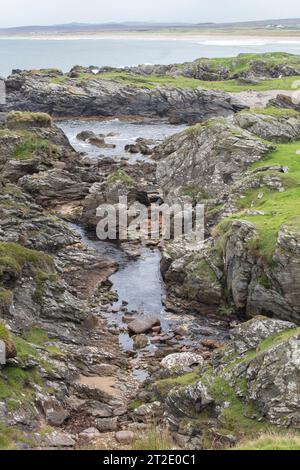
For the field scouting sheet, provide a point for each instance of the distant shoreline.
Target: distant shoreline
(249, 36)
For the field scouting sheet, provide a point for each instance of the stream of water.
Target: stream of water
(138, 282)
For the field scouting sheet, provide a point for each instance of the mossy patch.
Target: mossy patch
(165, 385)
(273, 112)
(13, 257)
(34, 147)
(7, 338)
(203, 270)
(120, 176)
(20, 118)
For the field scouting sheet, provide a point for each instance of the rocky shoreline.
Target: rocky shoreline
(225, 367)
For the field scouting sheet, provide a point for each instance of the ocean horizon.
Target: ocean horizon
(64, 53)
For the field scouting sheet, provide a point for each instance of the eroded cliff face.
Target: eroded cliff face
(249, 187)
(51, 287)
(97, 96)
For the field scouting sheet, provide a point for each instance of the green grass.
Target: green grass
(153, 439)
(36, 336)
(154, 81)
(120, 176)
(278, 208)
(165, 385)
(203, 270)
(16, 383)
(135, 404)
(273, 112)
(8, 437)
(13, 257)
(31, 147)
(271, 441)
(7, 338)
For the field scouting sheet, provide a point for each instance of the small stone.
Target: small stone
(211, 344)
(149, 409)
(124, 437)
(181, 360)
(156, 329)
(140, 341)
(155, 339)
(90, 433)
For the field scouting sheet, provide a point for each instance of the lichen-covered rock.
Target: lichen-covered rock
(193, 277)
(270, 124)
(177, 361)
(210, 157)
(252, 381)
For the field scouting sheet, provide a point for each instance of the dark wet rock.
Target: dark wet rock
(108, 98)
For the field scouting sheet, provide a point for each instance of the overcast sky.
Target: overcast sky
(28, 12)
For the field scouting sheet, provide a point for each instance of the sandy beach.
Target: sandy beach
(207, 37)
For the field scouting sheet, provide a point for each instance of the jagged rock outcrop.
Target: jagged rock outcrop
(253, 381)
(238, 270)
(100, 97)
(244, 66)
(271, 124)
(209, 156)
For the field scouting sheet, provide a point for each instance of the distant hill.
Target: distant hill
(289, 23)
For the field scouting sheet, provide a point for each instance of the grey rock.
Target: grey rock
(178, 361)
(124, 437)
(107, 424)
(2, 353)
(210, 156)
(275, 128)
(59, 439)
(90, 434)
(149, 409)
(56, 418)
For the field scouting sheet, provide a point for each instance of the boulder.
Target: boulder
(107, 424)
(178, 361)
(271, 125)
(143, 324)
(206, 159)
(59, 439)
